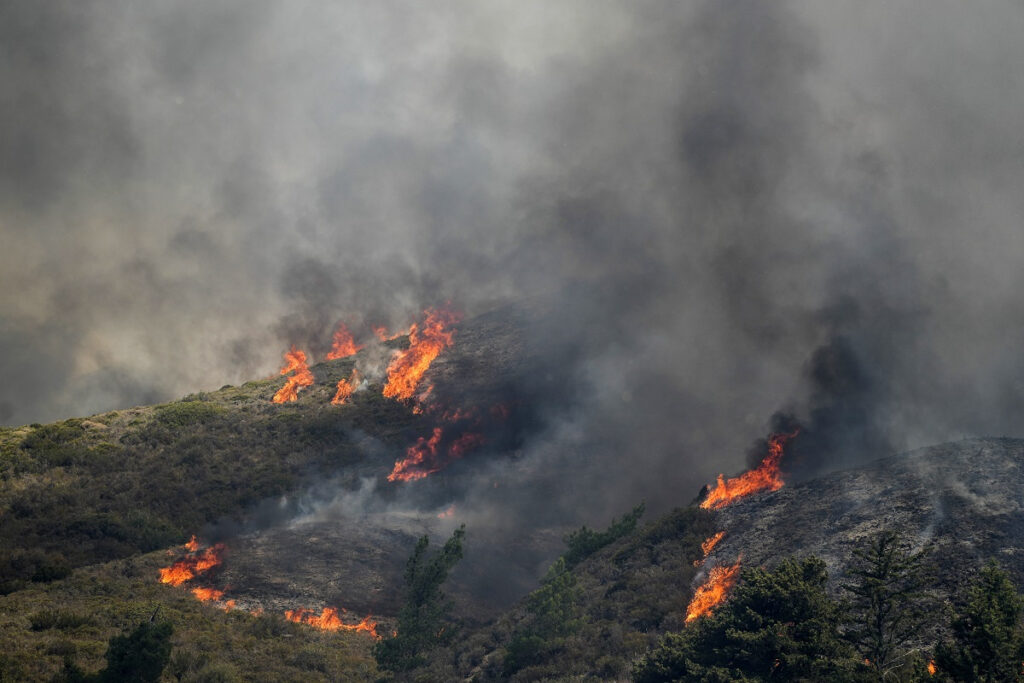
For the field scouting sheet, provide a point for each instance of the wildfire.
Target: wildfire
(931, 667)
(295, 360)
(707, 546)
(426, 341)
(713, 591)
(344, 345)
(766, 476)
(192, 545)
(426, 456)
(447, 513)
(328, 620)
(193, 564)
(381, 333)
(345, 388)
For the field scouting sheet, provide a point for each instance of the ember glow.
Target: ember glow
(207, 594)
(426, 341)
(328, 620)
(427, 455)
(192, 565)
(713, 591)
(344, 345)
(345, 388)
(295, 362)
(765, 477)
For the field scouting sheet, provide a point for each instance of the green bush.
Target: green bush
(584, 542)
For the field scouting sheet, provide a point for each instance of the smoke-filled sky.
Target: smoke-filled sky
(732, 207)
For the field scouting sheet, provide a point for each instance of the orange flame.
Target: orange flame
(207, 594)
(381, 333)
(345, 388)
(425, 457)
(328, 620)
(932, 670)
(344, 344)
(713, 591)
(766, 476)
(295, 360)
(447, 513)
(425, 343)
(707, 546)
(192, 565)
(192, 545)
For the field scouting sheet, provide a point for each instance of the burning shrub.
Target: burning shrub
(785, 612)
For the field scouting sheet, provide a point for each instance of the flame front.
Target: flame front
(765, 477)
(713, 591)
(344, 345)
(707, 546)
(425, 343)
(192, 565)
(328, 620)
(294, 361)
(345, 388)
(932, 670)
(426, 456)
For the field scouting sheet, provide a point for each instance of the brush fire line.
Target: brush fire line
(767, 476)
(426, 342)
(345, 388)
(343, 344)
(713, 591)
(295, 362)
(198, 562)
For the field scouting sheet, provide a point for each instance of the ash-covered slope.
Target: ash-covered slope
(963, 498)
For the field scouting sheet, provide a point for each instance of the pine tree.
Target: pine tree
(140, 656)
(423, 621)
(988, 643)
(554, 614)
(778, 625)
(889, 607)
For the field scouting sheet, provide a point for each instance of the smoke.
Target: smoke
(703, 213)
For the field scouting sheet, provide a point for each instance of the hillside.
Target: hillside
(296, 500)
(959, 499)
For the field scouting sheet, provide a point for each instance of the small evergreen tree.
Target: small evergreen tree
(988, 644)
(554, 614)
(888, 608)
(778, 625)
(140, 656)
(423, 620)
(584, 542)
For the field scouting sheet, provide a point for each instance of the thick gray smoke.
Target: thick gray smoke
(723, 210)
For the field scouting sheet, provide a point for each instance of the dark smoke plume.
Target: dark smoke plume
(702, 214)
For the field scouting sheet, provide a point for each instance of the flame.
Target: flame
(707, 546)
(381, 333)
(713, 591)
(932, 670)
(426, 457)
(192, 565)
(192, 545)
(207, 594)
(345, 388)
(766, 476)
(295, 360)
(344, 344)
(425, 343)
(328, 620)
(447, 513)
